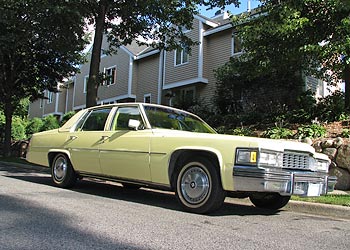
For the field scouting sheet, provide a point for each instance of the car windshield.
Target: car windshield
(167, 118)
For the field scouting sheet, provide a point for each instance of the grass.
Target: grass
(332, 199)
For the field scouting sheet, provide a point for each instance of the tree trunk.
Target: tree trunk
(8, 125)
(94, 79)
(347, 86)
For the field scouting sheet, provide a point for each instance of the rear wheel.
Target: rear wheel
(198, 186)
(269, 200)
(62, 172)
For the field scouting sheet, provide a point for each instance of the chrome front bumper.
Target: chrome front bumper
(284, 182)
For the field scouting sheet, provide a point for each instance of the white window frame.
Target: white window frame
(49, 97)
(146, 96)
(114, 80)
(86, 79)
(182, 54)
(233, 53)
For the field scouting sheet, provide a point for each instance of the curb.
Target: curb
(321, 209)
(334, 211)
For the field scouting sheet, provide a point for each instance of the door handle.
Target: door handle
(104, 138)
(73, 137)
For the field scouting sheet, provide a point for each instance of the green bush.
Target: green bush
(278, 133)
(34, 125)
(18, 131)
(311, 131)
(49, 122)
(345, 133)
(331, 108)
(242, 131)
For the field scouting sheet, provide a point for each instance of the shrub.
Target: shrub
(49, 122)
(331, 108)
(278, 133)
(34, 125)
(345, 133)
(18, 131)
(242, 131)
(311, 131)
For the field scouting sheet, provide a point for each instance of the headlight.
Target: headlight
(322, 165)
(271, 159)
(246, 156)
(263, 158)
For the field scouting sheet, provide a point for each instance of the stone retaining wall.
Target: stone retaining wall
(338, 150)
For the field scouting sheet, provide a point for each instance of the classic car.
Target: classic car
(146, 145)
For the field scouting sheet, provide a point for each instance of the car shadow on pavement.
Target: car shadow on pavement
(116, 191)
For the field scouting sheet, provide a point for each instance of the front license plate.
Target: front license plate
(313, 189)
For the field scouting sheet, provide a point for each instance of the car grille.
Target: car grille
(296, 161)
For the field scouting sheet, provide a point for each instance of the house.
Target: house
(142, 74)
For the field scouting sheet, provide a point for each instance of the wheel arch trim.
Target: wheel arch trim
(175, 155)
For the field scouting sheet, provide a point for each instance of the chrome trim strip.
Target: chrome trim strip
(126, 180)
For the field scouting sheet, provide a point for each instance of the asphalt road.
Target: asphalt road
(97, 215)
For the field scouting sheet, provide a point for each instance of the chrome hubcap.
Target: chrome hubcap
(60, 169)
(195, 185)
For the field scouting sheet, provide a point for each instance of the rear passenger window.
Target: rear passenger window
(95, 120)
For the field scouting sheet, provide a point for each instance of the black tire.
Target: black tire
(62, 172)
(198, 186)
(272, 201)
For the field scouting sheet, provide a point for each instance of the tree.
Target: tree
(40, 44)
(159, 23)
(309, 36)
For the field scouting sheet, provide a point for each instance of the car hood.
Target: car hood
(241, 141)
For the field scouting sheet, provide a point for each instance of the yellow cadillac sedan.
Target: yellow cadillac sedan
(146, 145)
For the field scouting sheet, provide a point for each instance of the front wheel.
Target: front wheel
(269, 200)
(198, 186)
(62, 172)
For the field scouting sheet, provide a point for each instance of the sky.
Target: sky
(242, 8)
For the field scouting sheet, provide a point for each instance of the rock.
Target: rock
(343, 157)
(331, 152)
(343, 181)
(307, 140)
(338, 142)
(317, 146)
(327, 143)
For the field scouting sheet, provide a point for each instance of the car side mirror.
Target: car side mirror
(134, 124)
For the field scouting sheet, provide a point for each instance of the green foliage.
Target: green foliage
(33, 126)
(296, 29)
(311, 131)
(278, 133)
(18, 131)
(304, 110)
(49, 122)
(345, 133)
(331, 108)
(242, 131)
(66, 117)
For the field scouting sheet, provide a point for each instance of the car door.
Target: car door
(125, 154)
(83, 144)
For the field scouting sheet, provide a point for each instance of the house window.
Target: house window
(188, 94)
(181, 55)
(49, 97)
(111, 76)
(86, 79)
(236, 44)
(147, 98)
